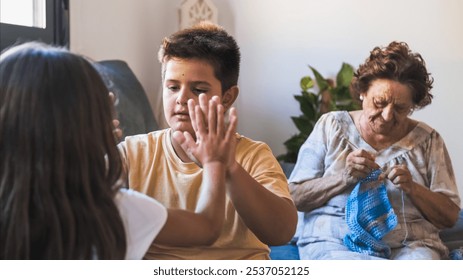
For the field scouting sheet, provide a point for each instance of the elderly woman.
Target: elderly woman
(345, 147)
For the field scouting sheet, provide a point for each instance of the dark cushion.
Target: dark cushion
(132, 106)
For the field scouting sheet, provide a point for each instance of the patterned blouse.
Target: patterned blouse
(324, 153)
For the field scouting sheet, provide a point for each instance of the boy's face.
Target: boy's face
(185, 79)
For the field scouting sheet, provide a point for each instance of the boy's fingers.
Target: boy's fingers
(203, 103)
(220, 119)
(231, 130)
(200, 121)
(179, 137)
(117, 130)
(185, 140)
(212, 117)
(216, 99)
(191, 112)
(112, 97)
(189, 146)
(189, 141)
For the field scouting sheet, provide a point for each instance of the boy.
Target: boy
(202, 62)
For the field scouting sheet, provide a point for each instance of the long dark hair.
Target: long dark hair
(59, 164)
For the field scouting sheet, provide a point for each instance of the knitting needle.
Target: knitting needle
(382, 176)
(352, 144)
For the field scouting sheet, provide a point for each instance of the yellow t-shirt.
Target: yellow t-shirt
(155, 169)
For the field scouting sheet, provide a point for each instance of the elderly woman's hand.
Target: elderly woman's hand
(400, 176)
(359, 164)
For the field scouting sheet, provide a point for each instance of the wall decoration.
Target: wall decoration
(194, 11)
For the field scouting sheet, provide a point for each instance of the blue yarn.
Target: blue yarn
(369, 216)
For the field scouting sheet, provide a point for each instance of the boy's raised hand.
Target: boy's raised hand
(215, 141)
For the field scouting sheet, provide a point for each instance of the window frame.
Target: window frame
(55, 33)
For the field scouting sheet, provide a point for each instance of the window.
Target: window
(23, 12)
(27, 20)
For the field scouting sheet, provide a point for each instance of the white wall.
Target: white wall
(122, 29)
(279, 39)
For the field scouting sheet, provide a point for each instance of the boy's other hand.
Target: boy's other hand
(117, 131)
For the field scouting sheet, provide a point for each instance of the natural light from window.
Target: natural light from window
(23, 12)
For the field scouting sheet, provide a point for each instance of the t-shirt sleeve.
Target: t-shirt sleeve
(143, 218)
(258, 160)
(122, 147)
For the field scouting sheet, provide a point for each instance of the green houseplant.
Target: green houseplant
(331, 96)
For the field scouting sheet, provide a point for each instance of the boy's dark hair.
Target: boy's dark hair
(205, 41)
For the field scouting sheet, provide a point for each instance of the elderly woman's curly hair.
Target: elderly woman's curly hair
(395, 62)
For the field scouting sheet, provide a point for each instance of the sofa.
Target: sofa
(132, 106)
(136, 116)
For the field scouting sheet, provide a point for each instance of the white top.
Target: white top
(143, 218)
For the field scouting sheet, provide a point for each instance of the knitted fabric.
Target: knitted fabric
(369, 216)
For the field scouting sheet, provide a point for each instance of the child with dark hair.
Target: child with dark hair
(202, 62)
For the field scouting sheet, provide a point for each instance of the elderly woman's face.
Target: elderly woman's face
(387, 104)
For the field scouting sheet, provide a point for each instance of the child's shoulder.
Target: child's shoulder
(146, 136)
(250, 146)
(145, 140)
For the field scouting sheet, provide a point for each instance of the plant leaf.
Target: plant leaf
(314, 99)
(340, 93)
(308, 104)
(293, 145)
(345, 75)
(306, 83)
(304, 124)
(294, 142)
(321, 82)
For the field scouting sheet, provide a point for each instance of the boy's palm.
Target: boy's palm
(215, 142)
